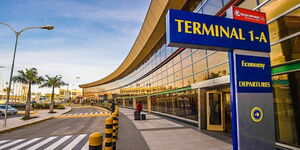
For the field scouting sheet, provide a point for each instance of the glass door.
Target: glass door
(215, 111)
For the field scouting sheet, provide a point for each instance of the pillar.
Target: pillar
(123, 100)
(149, 104)
(134, 103)
(199, 108)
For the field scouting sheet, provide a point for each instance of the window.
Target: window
(188, 81)
(178, 75)
(186, 52)
(198, 54)
(186, 62)
(217, 58)
(285, 51)
(171, 78)
(199, 66)
(219, 71)
(285, 26)
(248, 4)
(187, 71)
(286, 88)
(177, 67)
(200, 76)
(212, 7)
(178, 84)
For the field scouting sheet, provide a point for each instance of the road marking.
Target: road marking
(25, 144)
(37, 143)
(11, 143)
(3, 141)
(86, 146)
(42, 143)
(74, 142)
(92, 114)
(56, 144)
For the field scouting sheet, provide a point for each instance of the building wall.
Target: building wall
(168, 73)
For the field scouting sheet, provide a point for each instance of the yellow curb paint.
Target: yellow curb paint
(31, 112)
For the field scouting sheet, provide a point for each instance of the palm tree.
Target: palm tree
(53, 82)
(29, 77)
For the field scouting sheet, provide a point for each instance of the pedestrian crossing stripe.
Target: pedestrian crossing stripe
(69, 142)
(93, 114)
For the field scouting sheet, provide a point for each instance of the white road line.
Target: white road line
(74, 142)
(86, 146)
(3, 141)
(56, 144)
(96, 112)
(80, 114)
(26, 143)
(38, 145)
(86, 113)
(11, 143)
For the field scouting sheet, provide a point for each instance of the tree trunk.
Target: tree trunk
(52, 101)
(27, 110)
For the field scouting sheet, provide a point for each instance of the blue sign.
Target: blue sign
(193, 30)
(253, 74)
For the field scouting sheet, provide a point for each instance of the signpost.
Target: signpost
(248, 45)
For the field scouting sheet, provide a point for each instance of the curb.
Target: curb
(31, 123)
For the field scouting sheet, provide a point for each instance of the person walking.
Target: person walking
(139, 107)
(113, 106)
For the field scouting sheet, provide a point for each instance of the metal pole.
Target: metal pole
(10, 78)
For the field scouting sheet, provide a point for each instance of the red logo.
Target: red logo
(248, 15)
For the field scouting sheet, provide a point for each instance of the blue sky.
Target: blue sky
(90, 40)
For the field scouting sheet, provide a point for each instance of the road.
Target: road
(66, 131)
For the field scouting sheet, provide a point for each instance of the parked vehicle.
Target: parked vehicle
(10, 110)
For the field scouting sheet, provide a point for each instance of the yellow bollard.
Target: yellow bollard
(108, 133)
(114, 139)
(95, 141)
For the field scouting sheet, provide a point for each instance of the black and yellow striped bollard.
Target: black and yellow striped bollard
(114, 139)
(95, 141)
(108, 133)
(117, 123)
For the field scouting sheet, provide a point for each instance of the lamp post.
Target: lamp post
(17, 34)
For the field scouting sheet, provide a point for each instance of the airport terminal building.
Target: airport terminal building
(193, 85)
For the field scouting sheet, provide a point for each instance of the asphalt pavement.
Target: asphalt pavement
(56, 133)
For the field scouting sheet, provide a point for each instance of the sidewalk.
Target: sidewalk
(41, 115)
(159, 133)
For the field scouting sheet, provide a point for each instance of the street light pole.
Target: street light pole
(17, 34)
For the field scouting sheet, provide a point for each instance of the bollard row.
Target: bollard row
(111, 134)
(112, 126)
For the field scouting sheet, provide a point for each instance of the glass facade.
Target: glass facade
(287, 106)
(169, 69)
(182, 104)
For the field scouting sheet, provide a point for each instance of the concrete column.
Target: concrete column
(149, 104)
(123, 100)
(199, 109)
(134, 103)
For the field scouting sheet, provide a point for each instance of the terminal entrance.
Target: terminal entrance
(215, 111)
(218, 109)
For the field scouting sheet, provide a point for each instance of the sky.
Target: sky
(90, 40)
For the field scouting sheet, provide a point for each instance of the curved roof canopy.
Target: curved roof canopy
(151, 32)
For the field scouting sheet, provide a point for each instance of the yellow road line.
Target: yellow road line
(78, 116)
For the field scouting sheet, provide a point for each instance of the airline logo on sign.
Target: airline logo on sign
(248, 15)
